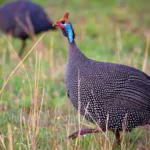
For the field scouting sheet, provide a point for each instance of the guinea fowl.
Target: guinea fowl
(23, 19)
(114, 96)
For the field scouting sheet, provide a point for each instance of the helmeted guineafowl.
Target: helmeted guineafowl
(22, 19)
(112, 95)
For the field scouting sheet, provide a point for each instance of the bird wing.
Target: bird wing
(136, 92)
(121, 86)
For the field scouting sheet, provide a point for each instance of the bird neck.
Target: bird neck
(74, 52)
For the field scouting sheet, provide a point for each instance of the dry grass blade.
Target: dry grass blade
(52, 59)
(2, 141)
(10, 138)
(20, 63)
(135, 140)
(146, 51)
(79, 104)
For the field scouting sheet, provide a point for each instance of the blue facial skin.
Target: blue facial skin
(69, 31)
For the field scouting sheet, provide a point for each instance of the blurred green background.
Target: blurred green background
(114, 31)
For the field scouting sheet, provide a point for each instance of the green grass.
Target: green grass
(35, 112)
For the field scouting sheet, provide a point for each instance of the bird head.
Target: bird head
(66, 27)
(62, 23)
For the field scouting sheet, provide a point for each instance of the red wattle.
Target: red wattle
(59, 24)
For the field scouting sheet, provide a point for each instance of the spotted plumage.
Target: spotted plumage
(112, 95)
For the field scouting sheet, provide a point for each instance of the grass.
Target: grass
(34, 110)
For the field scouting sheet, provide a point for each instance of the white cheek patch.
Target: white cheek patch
(63, 24)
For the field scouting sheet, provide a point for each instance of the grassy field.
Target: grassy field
(35, 113)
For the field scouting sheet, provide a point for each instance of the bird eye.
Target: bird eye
(63, 22)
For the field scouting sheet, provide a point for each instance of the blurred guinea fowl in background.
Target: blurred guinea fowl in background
(23, 19)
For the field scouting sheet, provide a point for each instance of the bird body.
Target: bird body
(114, 96)
(21, 18)
(103, 89)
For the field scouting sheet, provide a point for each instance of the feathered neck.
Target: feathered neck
(74, 51)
